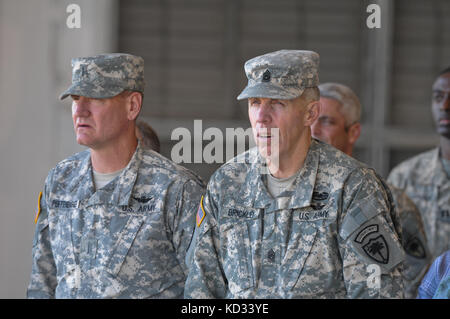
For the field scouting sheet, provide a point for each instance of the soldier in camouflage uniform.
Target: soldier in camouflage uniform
(115, 220)
(339, 125)
(326, 233)
(426, 177)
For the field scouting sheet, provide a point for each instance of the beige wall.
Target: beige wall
(35, 127)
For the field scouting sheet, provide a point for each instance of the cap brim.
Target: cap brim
(87, 91)
(268, 90)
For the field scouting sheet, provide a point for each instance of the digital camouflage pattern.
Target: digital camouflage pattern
(320, 243)
(424, 180)
(125, 240)
(417, 254)
(282, 74)
(106, 75)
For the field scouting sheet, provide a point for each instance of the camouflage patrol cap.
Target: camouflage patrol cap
(106, 75)
(282, 74)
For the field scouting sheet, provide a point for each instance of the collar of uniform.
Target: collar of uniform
(438, 173)
(119, 192)
(253, 193)
(433, 173)
(306, 180)
(83, 185)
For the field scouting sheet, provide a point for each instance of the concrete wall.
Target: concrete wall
(35, 127)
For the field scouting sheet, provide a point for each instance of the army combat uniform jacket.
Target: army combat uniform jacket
(414, 242)
(332, 238)
(425, 181)
(125, 240)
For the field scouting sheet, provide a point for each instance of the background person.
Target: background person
(339, 125)
(305, 221)
(426, 177)
(436, 283)
(147, 136)
(113, 221)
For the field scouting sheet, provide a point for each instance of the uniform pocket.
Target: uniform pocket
(303, 237)
(123, 243)
(237, 257)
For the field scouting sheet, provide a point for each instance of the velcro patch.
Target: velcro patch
(200, 213)
(356, 218)
(38, 208)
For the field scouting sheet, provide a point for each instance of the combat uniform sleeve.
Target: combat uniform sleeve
(43, 274)
(417, 253)
(370, 249)
(182, 220)
(396, 178)
(206, 278)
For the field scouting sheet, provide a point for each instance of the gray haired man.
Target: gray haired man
(115, 220)
(314, 223)
(339, 125)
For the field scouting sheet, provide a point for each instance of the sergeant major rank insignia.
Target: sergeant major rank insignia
(266, 76)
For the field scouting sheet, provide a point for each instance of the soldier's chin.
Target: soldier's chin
(444, 131)
(267, 153)
(84, 142)
(264, 151)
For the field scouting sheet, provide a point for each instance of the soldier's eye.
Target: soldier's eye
(326, 121)
(279, 103)
(438, 96)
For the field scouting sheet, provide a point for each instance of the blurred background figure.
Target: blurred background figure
(147, 136)
(338, 124)
(436, 283)
(426, 177)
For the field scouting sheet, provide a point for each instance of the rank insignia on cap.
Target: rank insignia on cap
(38, 209)
(200, 213)
(266, 76)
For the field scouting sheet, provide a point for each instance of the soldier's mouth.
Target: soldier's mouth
(83, 126)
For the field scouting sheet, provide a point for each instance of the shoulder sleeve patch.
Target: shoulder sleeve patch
(38, 208)
(200, 213)
(375, 243)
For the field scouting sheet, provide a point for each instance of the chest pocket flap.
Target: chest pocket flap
(123, 243)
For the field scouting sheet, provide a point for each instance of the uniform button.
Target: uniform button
(271, 255)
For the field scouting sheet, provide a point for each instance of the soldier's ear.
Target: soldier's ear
(312, 112)
(354, 131)
(134, 105)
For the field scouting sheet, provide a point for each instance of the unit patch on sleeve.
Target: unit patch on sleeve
(375, 244)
